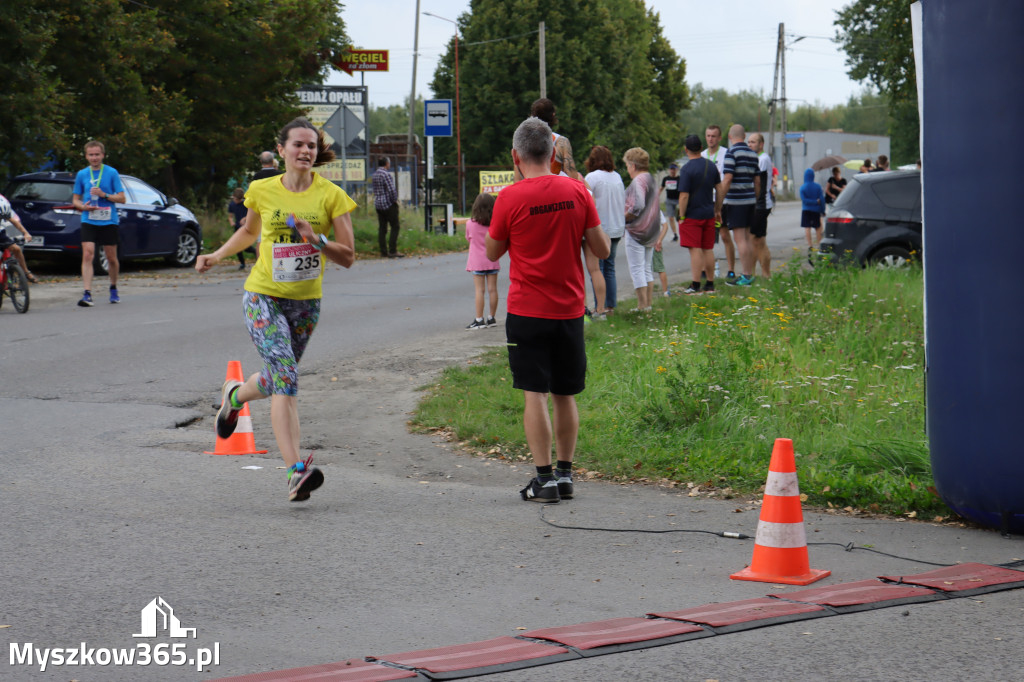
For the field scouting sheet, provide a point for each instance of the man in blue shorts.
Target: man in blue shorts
(100, 187)
(741, 185)
(542, 222)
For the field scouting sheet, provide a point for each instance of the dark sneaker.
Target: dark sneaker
(303, 478)
(86, 301)
(477, 324)
(731, 278)
(491, 322)
(536, 491)
(709, 287)
(227, 416)
(114, 298)
(564, 484)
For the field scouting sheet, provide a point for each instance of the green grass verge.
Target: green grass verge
(695, 393)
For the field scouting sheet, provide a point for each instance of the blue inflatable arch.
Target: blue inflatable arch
(973, 148)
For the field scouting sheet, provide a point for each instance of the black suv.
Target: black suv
(876, 220)
(151, 224)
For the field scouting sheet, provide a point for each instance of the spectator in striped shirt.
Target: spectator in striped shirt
(741, 183)
(385, 200)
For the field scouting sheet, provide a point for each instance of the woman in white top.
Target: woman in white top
(610, 198)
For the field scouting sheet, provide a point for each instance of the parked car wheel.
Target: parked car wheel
(891, 258)
(188, 249)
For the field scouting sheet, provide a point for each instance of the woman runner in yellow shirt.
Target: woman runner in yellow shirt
(293, 214)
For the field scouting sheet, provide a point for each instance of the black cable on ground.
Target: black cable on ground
(721, 534)
(849, 547)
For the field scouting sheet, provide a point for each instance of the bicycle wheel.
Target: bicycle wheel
(17, 286)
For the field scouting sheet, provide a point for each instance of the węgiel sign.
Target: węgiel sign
(362, 60)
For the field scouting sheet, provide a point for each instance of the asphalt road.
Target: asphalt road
(109, 503)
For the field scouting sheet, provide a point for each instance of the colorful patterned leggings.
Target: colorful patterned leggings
(280, 328)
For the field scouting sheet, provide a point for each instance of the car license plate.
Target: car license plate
(35, 241)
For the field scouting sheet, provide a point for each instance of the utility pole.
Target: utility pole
(775, 93)
(543, 64)
(787, 166)
(412, 99)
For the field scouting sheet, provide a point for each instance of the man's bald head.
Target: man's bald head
(737, 133)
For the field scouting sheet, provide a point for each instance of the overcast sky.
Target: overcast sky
(735, 53)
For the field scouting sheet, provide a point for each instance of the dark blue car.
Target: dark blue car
(151, 225)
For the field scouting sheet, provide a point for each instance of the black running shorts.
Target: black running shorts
(101, 235)
(546, 356)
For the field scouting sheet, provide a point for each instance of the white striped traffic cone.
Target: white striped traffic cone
(242, 441)
(780, 546)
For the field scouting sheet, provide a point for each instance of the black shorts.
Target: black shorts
(546, 356)
(759, 228)
(810, 219)
(738, 215)
(5, 240)
(101, 235)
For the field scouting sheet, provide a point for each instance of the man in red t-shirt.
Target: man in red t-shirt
(542, 221)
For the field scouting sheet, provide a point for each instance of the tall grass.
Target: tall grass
(696, 392)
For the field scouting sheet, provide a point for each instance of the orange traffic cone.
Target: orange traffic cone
(241, 442)
(780, 546)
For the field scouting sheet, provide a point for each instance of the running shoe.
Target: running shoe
(564, 484)
(709, 287)
(491, 322)
(729, 278)
(535, 491)
(86, 301)
(690, 291)
(114, 298)
(303, 478)
(745, 281)
(227, 416)
(477, 324)
(597, 317)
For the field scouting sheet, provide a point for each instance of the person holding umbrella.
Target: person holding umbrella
(834, 187)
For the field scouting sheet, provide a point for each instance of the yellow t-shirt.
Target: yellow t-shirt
(318, 205)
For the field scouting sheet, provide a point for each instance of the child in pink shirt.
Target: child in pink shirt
(485, 271)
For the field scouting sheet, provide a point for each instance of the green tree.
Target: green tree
(182, 92)
(866, 113)
(877, 38)
(31, 103)
(624, 97)
(238, 65)
(107, 58)
(722, 108)
(394, 119)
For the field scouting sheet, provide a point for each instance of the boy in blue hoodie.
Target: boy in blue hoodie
(813, 199)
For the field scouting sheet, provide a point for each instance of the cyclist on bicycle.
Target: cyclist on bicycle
(7, 214)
